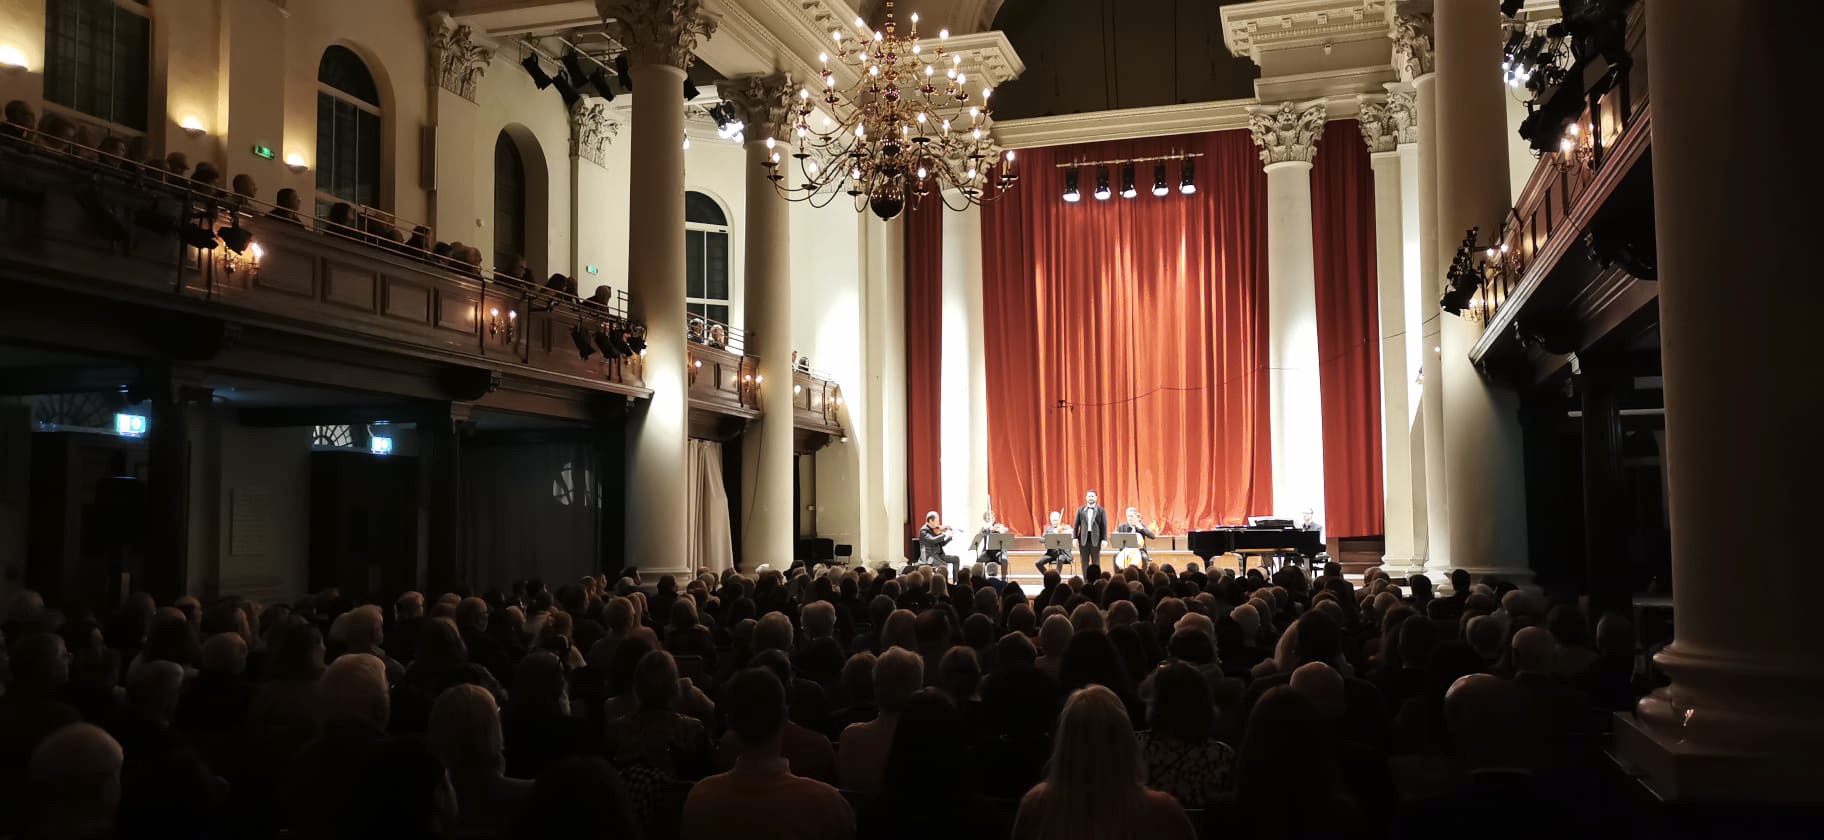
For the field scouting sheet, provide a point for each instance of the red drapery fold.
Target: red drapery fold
(924, 255)
(1126, 339)
(1348, 331)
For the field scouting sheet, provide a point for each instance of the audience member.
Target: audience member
(760, 796)
(1096, 787)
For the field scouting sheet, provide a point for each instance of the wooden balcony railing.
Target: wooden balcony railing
(95, 224)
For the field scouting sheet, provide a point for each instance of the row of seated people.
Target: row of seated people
(364, 224)
(819, 704)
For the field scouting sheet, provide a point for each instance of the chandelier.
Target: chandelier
(908, 126)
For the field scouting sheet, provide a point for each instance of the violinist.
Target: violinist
(932, 539)
(980, 543)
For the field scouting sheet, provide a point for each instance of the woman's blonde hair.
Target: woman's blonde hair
(464, 729)
(1095, 784)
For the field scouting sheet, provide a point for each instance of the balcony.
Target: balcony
(91, 226)
(1540, 297)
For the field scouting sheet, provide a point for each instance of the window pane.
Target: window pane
(96, 59)
(693, 263)
(717, 312)
(702, 209)
(716, 269)
(326, 140)
(367, 157)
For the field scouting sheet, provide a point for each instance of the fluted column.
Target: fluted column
(1287, 136)
(1740, 720)
(1483, 458)
(659, 36)
(1384, 120)
(770, 527)
(1412, 58)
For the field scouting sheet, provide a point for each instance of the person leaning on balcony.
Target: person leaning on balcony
(718, 336)
(696, 331)
(20, 118)
(561, 284)
(286, 206)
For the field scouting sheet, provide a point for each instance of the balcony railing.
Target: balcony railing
(92, 222)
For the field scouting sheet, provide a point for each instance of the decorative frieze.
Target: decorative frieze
(658, 31)
(459, 56)
(592, 128)
(1287, 133)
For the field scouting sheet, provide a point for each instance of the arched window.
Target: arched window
(509, 202)
(348, 131)
(705, 257)
(97, 58)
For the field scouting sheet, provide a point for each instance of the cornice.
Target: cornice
(988, 56)
(1249, 29)
(1124, 124)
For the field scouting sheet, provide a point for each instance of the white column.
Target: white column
(660, 35)
(1411, 244)
(1484, 464)
(769, 527)
(1287, 136)
(1381, 119)
(963, 426)
(1740, 722)
(1412, 58)
(884, 352)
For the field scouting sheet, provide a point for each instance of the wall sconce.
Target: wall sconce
(502, 329)
(696, 363)
(249, 260)
(192, 126)
(797, 389)
(295, 163)
(12, 60)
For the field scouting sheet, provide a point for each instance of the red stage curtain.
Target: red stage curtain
(1126, 338)
(924, 255)
(1348, 331)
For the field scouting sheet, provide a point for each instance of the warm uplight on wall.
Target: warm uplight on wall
(295, 162)
(12, 59)
(192, 125)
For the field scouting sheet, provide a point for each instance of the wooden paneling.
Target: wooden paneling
(407, 301)
(349, 286)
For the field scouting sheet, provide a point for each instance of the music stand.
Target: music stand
(1003, 543)
(1123, 539)
(1062, 544)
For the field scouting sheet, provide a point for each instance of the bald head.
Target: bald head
(354, 689)
(153, 688)
(225, 653)
(1323, 686)
(76, 771)
(1484, 635)
(1534, 648)
(1486, 718)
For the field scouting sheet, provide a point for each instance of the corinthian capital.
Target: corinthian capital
(1411, 36)
(591, 130)
(658, 31)
(1288, 132)
(458, 56)
(764, 103)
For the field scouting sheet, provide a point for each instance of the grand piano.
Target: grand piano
(1254, 540)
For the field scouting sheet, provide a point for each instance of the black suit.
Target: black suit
(1091, 529)
(931, 545)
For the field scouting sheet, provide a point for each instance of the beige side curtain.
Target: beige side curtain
(709, 544)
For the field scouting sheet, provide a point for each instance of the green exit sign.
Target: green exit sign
(264, 151)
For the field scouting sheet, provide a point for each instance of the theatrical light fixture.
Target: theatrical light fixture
(728, 123)
(535, 70)
(1070, 186)
(1102, 192)
(237, 238)
(1127, 182)
(1187, 179)
(598, 82)
(566, 88)
(1159, 187)
(585, 343)
(196, 236)
(624, 70)
(690, 90)
(573, 65)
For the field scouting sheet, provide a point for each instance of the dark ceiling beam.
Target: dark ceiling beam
(70, 379)
(338, 415)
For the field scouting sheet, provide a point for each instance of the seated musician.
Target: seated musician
(980, 543)
(932, 539)
(1133, 525)
(1059, 557)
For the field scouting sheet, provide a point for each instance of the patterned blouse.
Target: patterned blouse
(1194, 773)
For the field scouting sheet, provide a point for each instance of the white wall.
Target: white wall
(270, 467)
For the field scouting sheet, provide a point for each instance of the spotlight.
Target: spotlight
(573, 66)
(690, 90)
(585, 343)
(728, 124)
(622, 70)
(1510, 8)
(617, 342)
(636, 343)
(237, 238)
(1187, 179)
(1515, 39)
(1102, 192)
(196, 236)
(566, 88)
(1159, 187)
(536, 71)
(1070, 186)
(598, 81)
(1127, 181)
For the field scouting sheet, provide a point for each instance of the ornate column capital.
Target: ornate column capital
(658, 31)
(1388, 120)
(459, 56)
(1411, 36)
(764, 103)
(1286, 133)
(591, 130)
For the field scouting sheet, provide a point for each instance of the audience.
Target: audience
(1096, 786)
(760, 796)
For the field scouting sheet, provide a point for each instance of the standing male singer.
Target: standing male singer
(1091, 529)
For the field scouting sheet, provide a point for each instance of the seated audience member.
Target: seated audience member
(215, 704)
(245, 186)
(603, 295)
(401, 791)
(1182, 758)
(959, 674)
(21, 120)
(854, 697)
(363, 632)
(464, 732)
(166, 788)
(1019, 705)
(1491, 736)
(342, 218)
(442, 661)
(283, 717)
(1486, 636)
(1610, 681)
(75, 785)
(484, 650)
(580, 796)
(286, 206)
(1054, 639)
(809, 752)
(1092, 659)
(537, 722)
(1287, 780)
(696, 331)
(862, 758)
(1096, 784)
(717, 336)
(401, 642)
(686, 636)
(1561, 713)
(931, 742)
(1573, 654)
(355, 707)
(561, 284)
(657, 735)
(760, 796)
(420, 240)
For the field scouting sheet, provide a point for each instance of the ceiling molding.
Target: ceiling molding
(1124, 124)
(1251, 29)
(988, 56)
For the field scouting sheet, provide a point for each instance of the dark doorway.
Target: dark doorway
(363, 524)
